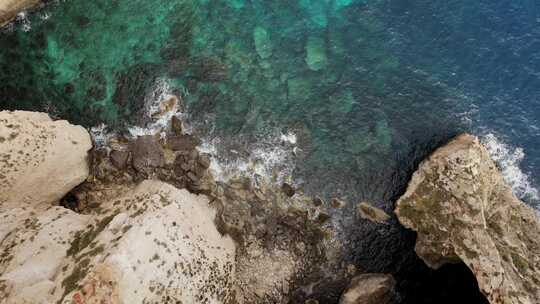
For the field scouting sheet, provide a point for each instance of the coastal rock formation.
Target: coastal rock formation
(374, 214)
(134, 242)
(40, 159)
(153, 244)
(463, 210)
(10, 8)
(369, 288)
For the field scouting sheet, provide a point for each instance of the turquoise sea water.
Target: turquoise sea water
(368, 87)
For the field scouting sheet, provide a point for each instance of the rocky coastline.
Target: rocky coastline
(142, 220)
(9, 9)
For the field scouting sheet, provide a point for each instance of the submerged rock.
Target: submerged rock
(316, 53)
(40, 159)
(369, 288)
(288, 189)
(463, 210)
(10, 8)
(371, 213)
(263, 45)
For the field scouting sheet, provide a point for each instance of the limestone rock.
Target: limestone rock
(153, 244)
(369, 288)
(33, 251)
(40, 159)
(463, 210)
(371, 213)
(10, 8)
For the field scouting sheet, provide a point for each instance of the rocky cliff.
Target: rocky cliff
(10, 8)
(463, 210)
(40, 159)
(142, 220)
(145, 243)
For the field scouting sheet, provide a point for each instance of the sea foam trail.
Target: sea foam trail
(159, 117)
(271, 158)
(508, 159)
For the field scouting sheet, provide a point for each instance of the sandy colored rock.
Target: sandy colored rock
(153, 244)
(32, 250)
(369, 288)
(463, 210)
(374, 214)
(10, 8)
(40, 159)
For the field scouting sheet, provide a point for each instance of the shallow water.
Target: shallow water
(368, 88)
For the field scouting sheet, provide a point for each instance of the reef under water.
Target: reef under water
(355, 92)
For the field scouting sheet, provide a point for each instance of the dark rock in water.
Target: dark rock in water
(288, 189)
(183, 142)
(147, 153)
(204, 161)
(337, 203)
(177, 126)
(317, 201)
(119, 158)
(369, 288)
(371, 213)
(323, 218)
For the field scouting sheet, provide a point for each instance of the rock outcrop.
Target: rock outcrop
(369, 288)
(153, 244)
(10, 8)
(463, 210)
(40, 159)
(374, 214)
(137, 242)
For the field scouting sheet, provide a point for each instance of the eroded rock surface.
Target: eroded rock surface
(369, 288)
(153, 244)
(463, 210)
(374, 214)
(40, 159)
(10, 8)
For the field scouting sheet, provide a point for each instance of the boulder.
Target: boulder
(147, 153)
(150, 244)
(119, 158)
(369, 288)
(10, 8)
(374, 214)
(463, 210)
(183, 142)
(40, 159)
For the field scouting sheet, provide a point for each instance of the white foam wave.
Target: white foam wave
(25, 22)
(157, 109)
(271, 158)
(509, 159)
(100, 134)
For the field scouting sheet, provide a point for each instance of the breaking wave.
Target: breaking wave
(508, 159)
(271, 158)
